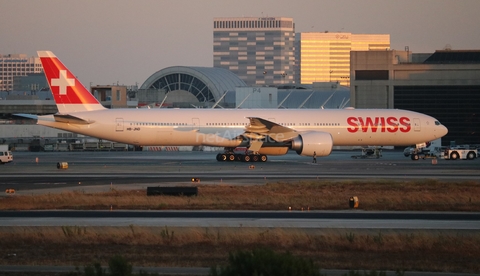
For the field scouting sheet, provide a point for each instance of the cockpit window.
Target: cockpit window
(437, 123)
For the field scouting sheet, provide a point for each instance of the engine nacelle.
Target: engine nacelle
(319, 142)
(273, 150)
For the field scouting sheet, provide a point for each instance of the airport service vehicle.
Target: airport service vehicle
(424, 150)
(6, 156)
(460, 152)
(262, 131)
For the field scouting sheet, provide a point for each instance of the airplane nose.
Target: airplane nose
(442, 131)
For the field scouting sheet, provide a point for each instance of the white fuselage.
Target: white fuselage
(221, 127)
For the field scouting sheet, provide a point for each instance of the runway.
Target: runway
(349, 219)
(33, 171)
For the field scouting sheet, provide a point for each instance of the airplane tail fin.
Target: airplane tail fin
(69, 94)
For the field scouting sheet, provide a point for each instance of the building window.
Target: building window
(371, 75)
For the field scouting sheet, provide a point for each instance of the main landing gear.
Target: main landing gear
(252, 157)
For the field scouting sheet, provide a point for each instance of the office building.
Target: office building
(259, 50)
(12, 66)
(325, 57)
(444, 85)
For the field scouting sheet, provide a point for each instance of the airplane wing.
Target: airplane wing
(259, 128)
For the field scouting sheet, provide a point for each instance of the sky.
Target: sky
(125, 41)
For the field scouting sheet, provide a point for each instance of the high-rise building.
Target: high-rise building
(16, 65)
(259, 50)
(325, 57)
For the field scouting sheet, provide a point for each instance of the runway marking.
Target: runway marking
(50, 183)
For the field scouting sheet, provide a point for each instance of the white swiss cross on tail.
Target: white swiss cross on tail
(71, 95)
(63, 82)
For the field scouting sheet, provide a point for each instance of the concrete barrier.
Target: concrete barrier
(172, 191)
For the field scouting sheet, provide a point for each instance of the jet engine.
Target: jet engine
(308, 142)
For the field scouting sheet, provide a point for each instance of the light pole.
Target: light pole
(331, 71)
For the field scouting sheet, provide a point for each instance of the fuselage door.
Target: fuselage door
(119, 124)
(416, 124)
(195, 123)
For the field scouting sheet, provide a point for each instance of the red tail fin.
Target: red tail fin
(69, 94)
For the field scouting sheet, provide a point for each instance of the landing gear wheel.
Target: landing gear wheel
(414, 157)
(231, 157)
(246, 158)
(255, 158)
(263, 158)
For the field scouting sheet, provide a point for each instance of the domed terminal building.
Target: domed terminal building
(182, 86)
(207, 87)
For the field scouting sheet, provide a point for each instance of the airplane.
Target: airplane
(261, 132)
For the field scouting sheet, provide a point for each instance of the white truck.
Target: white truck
(460, 152)
(6, 156)
(435, 150)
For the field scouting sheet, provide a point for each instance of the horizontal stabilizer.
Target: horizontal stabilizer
(29, 116)
(69, 119)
